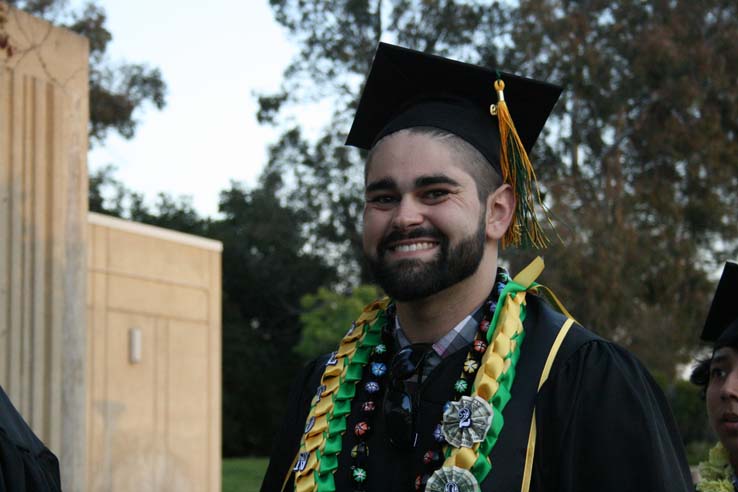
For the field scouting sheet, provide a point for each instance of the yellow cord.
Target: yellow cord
(531, 451)
(289, 472)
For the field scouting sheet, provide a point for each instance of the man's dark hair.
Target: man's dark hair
(479, 168)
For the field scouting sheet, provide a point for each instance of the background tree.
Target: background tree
(326, 317)
(266, 272)
(105, 193)
(691, 419)
(641, 160)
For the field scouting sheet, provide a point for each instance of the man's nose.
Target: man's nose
(408, 214)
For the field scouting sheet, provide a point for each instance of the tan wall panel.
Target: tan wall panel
(97, 254)
(131, 401)
(135, 254)
(157, 298)
(215, 374)
(163, 402)
(188, 386)
(153, 426)
(131, 383)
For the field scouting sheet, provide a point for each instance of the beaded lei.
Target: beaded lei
(470, 425)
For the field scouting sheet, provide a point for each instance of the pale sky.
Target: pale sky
(213, 55)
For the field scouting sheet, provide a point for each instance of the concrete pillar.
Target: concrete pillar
(43, 210)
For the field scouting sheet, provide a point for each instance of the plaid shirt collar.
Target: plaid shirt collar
(459, 337)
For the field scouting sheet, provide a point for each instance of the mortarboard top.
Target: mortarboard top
(721, 326)
(407, 88)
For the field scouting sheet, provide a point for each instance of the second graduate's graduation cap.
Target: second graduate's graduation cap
(407, 88)
(721, 326)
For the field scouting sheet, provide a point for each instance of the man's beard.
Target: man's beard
(413, 279)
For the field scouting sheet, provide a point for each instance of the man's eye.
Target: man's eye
(381, 199)
(435, 194)
(717, 373)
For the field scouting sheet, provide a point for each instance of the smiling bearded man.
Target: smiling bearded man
(465, 379)
(408, 278)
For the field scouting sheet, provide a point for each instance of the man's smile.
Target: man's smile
(409, 247)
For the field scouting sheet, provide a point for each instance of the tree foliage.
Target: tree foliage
(639, 161)
(117, 90)
(108, 195)
(689, 412)
(105, 193)
(641, 171)
(266, 273)
(327, 315)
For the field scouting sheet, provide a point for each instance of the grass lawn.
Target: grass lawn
(243, 474)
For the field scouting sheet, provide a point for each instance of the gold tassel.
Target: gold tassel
(518, 172)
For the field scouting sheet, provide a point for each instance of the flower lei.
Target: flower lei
(321, 442)
(716, 474)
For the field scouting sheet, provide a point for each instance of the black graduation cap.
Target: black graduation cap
(407, 88)
(721, 326)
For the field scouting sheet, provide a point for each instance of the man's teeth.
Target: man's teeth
(405, 248)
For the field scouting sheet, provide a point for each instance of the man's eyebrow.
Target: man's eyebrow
(435, 179)
(420, 182)
(381, 184)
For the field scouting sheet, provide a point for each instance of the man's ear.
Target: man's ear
(500, 210)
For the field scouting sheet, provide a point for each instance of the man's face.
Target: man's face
(721, 397)
(424, 227)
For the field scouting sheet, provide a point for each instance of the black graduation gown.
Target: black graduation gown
(603, 424)
(26, 465)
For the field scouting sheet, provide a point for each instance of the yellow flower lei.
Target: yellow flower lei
(716, 474)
